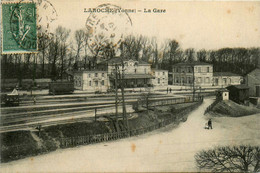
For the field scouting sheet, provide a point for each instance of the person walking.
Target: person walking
(210, 124)
(167, 90)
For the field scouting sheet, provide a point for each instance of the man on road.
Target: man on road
(210, 124)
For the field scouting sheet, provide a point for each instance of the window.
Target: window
(158, 80)
(207, 79)
(89, 75)
(225, 81)
(199, 79)
(103, 74)
(208, 69)
(189, 80)
(229, 81)
(135, 70)
(103, 82)
(177, 80)
(199, 69)
(189, 69)
(163, 73)
(96, 83)
(216, 81)
(182, 80)
(145, 70)
(89, 83)
(96, 74)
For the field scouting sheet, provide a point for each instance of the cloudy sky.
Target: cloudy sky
(199, 25)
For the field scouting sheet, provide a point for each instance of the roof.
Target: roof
(243, 86)
(117, 60)
(224, 74)
(191, 63)
(90, 71)
(222, 90)
(137, 76)
(159, 70)
(256, 70)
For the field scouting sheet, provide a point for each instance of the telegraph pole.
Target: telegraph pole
(122, 85)
(116, 99)
(193, 83)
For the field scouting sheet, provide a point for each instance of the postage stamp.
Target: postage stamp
(19, 28)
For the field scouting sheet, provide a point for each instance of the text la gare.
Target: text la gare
(155, 10)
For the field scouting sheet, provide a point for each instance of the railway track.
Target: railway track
(31, 115)
(56, 119)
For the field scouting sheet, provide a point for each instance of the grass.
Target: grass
(20, 144)
(232, 109)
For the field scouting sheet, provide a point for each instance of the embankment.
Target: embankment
(232, 109)
(21, 144)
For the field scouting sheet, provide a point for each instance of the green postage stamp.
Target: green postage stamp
(19, 28)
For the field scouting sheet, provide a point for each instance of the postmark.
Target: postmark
(19, 28)
(107, 25)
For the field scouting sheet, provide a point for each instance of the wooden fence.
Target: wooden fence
(171, 101)
(90, 139)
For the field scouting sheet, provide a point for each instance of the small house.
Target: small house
(238, 93)
(222, 94)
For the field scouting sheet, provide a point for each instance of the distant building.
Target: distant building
(160, 77)
(136, 73)
(94, 80)
(184, 73)
(238, 93)
(226, 78)
(253, 82)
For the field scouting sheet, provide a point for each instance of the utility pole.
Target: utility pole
(116, 94)
(122, 85)
(193, 82)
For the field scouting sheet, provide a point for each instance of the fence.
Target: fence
(174, 101)
(90, 139)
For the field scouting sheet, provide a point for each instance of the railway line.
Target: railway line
(28, 116)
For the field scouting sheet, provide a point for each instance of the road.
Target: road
(168, 149)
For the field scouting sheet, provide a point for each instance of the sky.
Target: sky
(199, 25)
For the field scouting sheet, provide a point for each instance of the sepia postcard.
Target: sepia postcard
(130, 86)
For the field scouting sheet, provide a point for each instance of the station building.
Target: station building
(184, 74)
(93, 80)
(160, 77)
(225, 79)
(136, 74)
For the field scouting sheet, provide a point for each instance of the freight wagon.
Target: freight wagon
(61, 88)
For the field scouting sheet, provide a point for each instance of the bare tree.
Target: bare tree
(81, 37)
(189, 54)
(172, 54)
(202, 55)
(62, 35)
(230, 159)
(43, 43)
